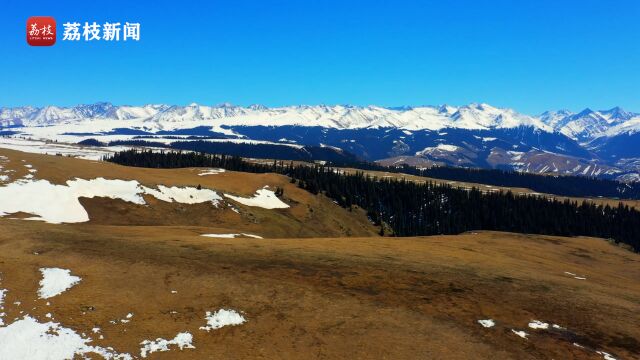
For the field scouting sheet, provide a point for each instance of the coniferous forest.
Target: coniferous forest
(413, 209)
(578, 186)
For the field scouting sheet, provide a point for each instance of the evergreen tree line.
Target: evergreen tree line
(410, 208)
(563, 185)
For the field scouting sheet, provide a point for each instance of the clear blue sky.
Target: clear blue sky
(529, 55)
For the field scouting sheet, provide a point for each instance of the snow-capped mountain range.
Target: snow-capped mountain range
(470, 135)
(585, 125)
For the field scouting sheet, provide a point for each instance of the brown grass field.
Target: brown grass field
(308, 216)
(321, 285)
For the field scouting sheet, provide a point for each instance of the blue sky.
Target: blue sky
(528, 55)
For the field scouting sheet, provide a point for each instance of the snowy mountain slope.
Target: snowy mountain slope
(456, 135)
(474, 116)
(589, 124)
(535, 161)
(484, 116)
(610, 134)
(583, 126)
(631, 126)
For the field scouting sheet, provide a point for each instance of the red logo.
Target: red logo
(41, 31)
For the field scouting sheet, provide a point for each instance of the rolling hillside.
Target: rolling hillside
(187, 263)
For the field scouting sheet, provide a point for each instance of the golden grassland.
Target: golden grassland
(321, 285)
(308, 215)
(332, 298)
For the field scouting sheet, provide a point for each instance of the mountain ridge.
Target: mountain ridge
(588, 143)
(582, 126)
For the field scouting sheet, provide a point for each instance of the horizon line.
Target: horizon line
(398, 107)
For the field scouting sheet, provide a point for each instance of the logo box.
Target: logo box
(41, 31)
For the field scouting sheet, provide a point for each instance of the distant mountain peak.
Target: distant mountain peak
(258, 107)
(401, 108)
(557, 112)
(585, 112)
(446, 109)
(617, 113)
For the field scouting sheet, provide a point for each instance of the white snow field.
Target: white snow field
(182, 340)
(50, 148)
(222, 318)
(28, 339)
(263, 198)
(55, 281)
(59, 203)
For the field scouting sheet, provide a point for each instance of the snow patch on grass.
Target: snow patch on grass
(182, 340)
(184, 195)
(125, 320)
(60, 203)
(263, 198)
(222, 318)
(55, 281)
(28, 339)
(575, 276)
(536, 324)
(487, 323)
(606, 355)
(520, 333)
(222, 236)
(231, 236)
(211, 172)
(253, 236)
(3, 293)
